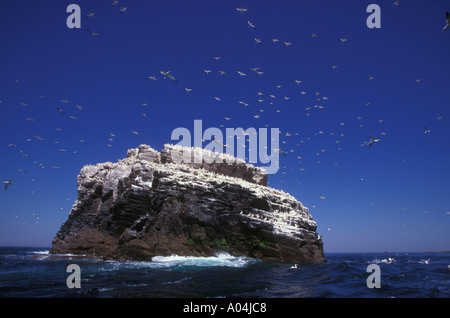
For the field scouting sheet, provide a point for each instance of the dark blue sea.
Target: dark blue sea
(29, 273)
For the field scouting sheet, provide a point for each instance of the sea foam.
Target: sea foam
(220, 259)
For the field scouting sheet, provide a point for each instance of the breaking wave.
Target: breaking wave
(221, 259)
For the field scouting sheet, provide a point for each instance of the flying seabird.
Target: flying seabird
(92, 33)
(123, 9)
(37, 137)
(241, 74)
(241, 10)
(251, 24)
(427, 130)
(7, 183)
(373, 140)
(281, 151)
(116, 2)
(167, 74)
(447, 21)
(60, 110)
(217, 142)
(79, 107)
(90, 14)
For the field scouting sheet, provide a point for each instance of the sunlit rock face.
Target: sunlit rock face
(146, 205)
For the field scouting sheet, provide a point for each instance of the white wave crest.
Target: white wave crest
(221, 259)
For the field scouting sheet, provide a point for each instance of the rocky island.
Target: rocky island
(147, 205)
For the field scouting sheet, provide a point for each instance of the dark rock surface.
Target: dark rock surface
(145, 206)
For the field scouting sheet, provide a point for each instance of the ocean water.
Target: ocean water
(26, 272)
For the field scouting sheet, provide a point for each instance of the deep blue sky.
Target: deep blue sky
(393, 196)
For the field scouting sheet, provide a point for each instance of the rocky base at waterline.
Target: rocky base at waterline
(144, 206)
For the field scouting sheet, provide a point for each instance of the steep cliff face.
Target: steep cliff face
(145, 205)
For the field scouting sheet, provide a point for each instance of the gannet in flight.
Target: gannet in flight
(373, 140)
(79, 107)
(281, 151)
(116, 2)
(217, 142)
(167, 74)
(7, 183)
(427, 130)
(90, 14)
(447, 21)
(92, 33)
(241, 10)
(60, 110)
(251, 24)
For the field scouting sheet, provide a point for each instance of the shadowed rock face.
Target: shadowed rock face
(143, 206)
